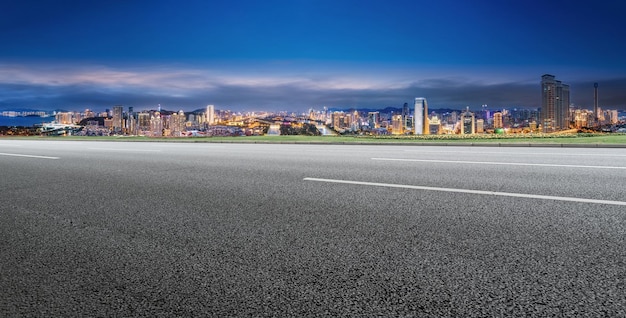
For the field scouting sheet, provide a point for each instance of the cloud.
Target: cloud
(188, 88)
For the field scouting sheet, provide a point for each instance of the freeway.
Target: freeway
(175, 229)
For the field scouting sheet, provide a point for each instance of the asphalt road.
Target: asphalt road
(169, 229)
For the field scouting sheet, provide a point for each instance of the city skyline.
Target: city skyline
(296, 55)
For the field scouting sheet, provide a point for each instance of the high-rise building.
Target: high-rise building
(397, 124)
(118, 118)
(340, 120)
(210, 114)
(480, 126)
(406, 116)
(131, 122)
(143, 122)
(434, 125)
(420, 117)
(596, 111)
(468, 125)
(177, 123)
(156, 125)
(497, 120)
(373, 119)
(554, 104)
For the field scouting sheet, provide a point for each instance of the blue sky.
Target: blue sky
(300, 54)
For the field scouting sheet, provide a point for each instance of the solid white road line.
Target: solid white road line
(500, 163)
(27, 156)
(503, 194)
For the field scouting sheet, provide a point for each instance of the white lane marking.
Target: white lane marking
(119, 149)
(520, 153)
(503, 194)
(499, 163)
(28, 156)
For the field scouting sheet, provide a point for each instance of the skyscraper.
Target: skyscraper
(554, 104)
(596, 112)
(497, 120)
(210, 114)
(420, 117)
(468, 124)
(131, 123)
(406, 114)
(118, 118)
(397, 124)
(372, 119)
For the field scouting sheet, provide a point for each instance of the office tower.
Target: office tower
(434, 125)
(406, 115)
(143, 122)
(562, 106)
(468, 125)
(554, 104)
(397, 124)
(497, 120)
(156, 125)
(339, 120)
(177, 123)
(118, 118)
(420, 117)
(372, 119)
(210, 114)
(131, 122)
(596, 111)
(480, 126)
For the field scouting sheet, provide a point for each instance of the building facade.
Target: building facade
(468, 123)
(420, 117)
(118, 118)
(554, 104)
(210, 115)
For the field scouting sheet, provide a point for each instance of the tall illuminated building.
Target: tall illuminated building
(562, 110)
(420, 117)
(406, 116)
(434, 125)
(131, 122)
(177, 123)
(143, 121)
(118, 118)
(497, 120)
(480, 126)
(596, 112)
(210, 114)
(156, 125)
(554, 104)
(468, 124)
(397, 124)
(372, 119)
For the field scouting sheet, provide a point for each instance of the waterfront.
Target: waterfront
(26, 121)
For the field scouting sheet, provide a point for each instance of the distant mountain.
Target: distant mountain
(18, 109)
(366, 110)
(397, 110)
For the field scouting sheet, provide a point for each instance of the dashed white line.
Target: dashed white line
(500, 163)
(119, 149)
(28, 156)
(518, 153)
(480, 192)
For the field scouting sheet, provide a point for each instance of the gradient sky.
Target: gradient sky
(301, 54)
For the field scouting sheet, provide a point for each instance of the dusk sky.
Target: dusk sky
(299, 54)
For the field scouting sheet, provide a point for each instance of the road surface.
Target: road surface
(172, 229)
